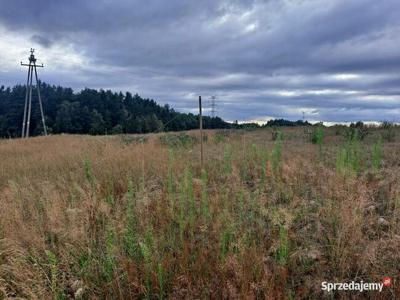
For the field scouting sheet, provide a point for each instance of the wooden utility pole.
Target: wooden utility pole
(28, 96)
(201, 133)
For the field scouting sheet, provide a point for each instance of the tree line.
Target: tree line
(99, 112)
(94, 112)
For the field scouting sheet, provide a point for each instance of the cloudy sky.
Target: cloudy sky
(335, 60)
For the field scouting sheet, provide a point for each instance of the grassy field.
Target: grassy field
(271, 216)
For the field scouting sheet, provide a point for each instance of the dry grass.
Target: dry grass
(118, 218)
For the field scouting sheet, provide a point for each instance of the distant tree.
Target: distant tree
(359, 124)
(64, 117)
(154, 124)
(117, 129)
(97, 123)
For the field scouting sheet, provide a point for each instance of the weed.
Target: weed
(240, 203)
(227, 237)
(109, 260)
(227, 159)
(264, 160)
(161, 281)
(276, 157)
(318, 138)
(377, 154)
(131, 230)
(349, 158)
(182, 237)
(170, 180)
(205, 210)
(283, 249)
(110, 192)
(189, 198)
(88, 171)
(146, 255)
(53, 266)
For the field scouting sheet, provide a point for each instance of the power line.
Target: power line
(213, 106)
(32, 67)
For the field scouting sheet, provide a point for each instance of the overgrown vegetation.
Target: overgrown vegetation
(87, 218)
(349, 157)
(318, 138)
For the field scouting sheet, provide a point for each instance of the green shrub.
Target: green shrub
(317, 136)
(318, 139)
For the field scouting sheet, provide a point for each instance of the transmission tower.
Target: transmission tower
(28, 96)
(213, 106)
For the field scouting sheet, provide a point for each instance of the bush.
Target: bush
(276, 134)
(317, 136)
(117, 129)
(355, 132)
(388, 134)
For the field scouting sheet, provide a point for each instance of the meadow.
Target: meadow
(272, 214)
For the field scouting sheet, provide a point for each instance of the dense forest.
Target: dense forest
(93, 112)
(101, 112)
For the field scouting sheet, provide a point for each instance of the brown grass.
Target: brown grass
(117, 218)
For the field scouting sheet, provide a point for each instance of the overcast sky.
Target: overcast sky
(335, 60)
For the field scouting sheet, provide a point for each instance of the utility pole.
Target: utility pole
(28, 96)
(201, 133)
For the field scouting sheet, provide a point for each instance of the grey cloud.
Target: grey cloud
(244, 51)
(41, 40)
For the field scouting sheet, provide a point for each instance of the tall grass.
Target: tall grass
(349, 157)
(377, 154)
(131, 236)
(205, 206)
(318, 138)
(86, 217)
(228, 159)
(276, 156)
(283, 248)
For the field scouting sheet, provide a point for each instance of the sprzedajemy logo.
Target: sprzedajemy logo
(360, 286)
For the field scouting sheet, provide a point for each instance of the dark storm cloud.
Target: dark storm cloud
(337, 60)
(41, 40)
